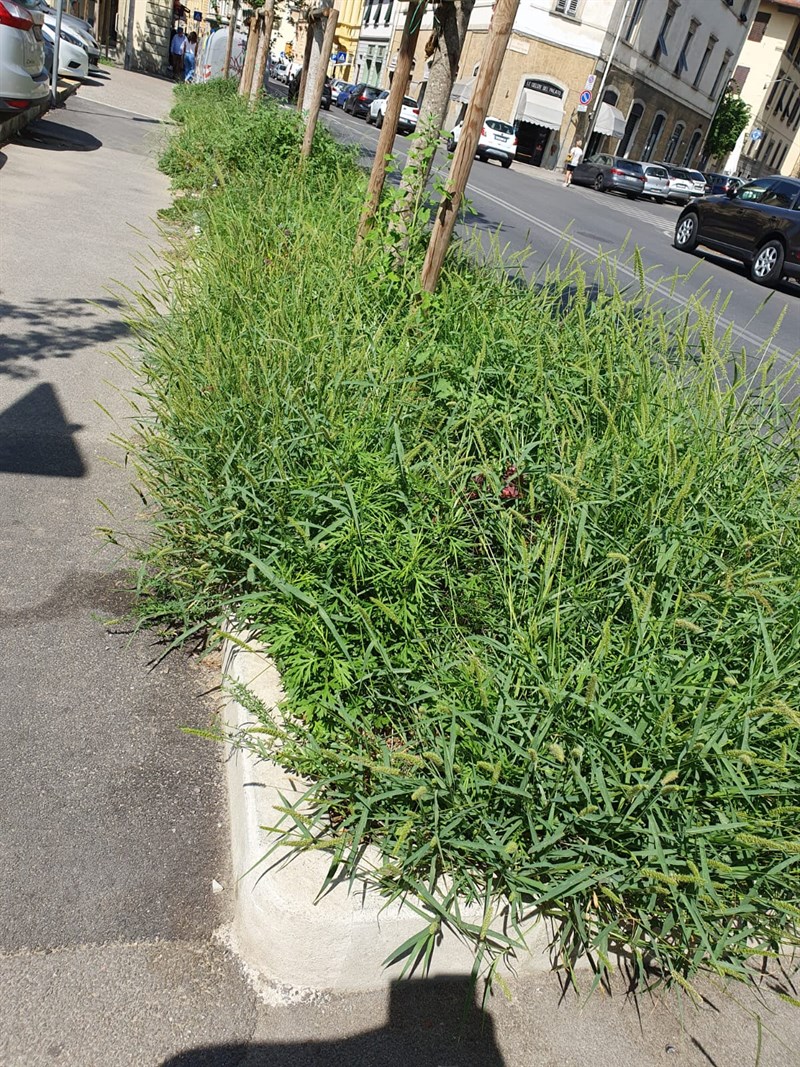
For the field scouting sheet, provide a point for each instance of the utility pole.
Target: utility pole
(56, 51)
(231, 34)
(267, 15)
(318, 83)
(394, 104)
(604, 79)
(497, 42)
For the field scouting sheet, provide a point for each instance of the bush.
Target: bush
(528, 563)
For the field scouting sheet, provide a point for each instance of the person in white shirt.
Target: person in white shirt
(574, 157)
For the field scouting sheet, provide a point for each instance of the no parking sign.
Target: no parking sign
(586, 97)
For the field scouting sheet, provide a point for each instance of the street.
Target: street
(115, 845)
(531, 212)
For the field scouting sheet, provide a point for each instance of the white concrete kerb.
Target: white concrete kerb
(340, 942)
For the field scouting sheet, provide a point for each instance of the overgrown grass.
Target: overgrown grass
(529, 568)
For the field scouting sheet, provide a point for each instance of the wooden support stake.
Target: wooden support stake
(319, 82)
(394, 104)
(267, 14)
(250, 56)
(499, 33)
(231, 34)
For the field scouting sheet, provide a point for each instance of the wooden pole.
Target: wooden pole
(319, 83)
(497, 42)
(306, 61)
(394, 103)
(231, 34)
(250, 56)
(257, 88)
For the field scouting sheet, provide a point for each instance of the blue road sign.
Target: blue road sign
(340, 57)
(756, 135)
(586, 97)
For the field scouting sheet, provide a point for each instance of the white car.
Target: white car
(656, 182)
(699, 182)
(681, 185)
(409, 112)
(73, 59)
(23, 79)
(498, 140)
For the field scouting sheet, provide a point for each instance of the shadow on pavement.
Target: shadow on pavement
(54, 329)
(35, 437)
(735, 267)
(57, 138)
(433, 1022)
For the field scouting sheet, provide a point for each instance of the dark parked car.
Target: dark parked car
(359, 100)
(721, 183)
(758, 224)
(611, 174)
(325, 103)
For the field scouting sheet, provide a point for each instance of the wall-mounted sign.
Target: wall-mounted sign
(586, 97)
(539, 86)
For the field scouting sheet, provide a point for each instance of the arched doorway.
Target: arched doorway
(538, 118)
(631, 127)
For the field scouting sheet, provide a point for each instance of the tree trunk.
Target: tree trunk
(450, 20)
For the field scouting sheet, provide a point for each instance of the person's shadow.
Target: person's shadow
(433, 1022)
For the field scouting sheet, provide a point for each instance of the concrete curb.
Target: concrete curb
(280, 928)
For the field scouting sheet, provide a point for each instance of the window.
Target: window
(661, 41)
(755, 190)
(759, 25)
(631, 127)
(377, 18)
(694, 144)
(569, 8)
(388, 18)
(682, 65)
(674, 141)
(712, 41)
(653, 136)
(777, 83)
(368, 10)
(721, 73)
(793, 48)
(775, 155)
(633, 21)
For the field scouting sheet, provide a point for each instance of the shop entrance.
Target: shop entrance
(532, 143)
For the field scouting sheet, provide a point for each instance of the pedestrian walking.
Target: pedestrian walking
(573, 159)
(176, 50)
(189, 57)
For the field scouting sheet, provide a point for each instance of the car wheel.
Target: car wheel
(379, 120)
(599, 183)
(659, 200)
(632, 196)
(369, 118)
(506, 163)
(686, 233)
(767, 266)
(451, 145)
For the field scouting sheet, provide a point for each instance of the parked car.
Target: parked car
(758, 224)
(409, 112)
(699, 182)
(681, 184)
(337, 84)
(358, 101)
(341, 97)
(327, 96)
(721, 183)
(73, 59)
(611, 174)
(280, 72)
(23, 78)
(79, 28)
(656, 182)
(498, 140)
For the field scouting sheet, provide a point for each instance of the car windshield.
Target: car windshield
(627, 166)
(500, 127)
(696, 176)
(752, 192)
(409, 101)
(676, 172)
(656, 172)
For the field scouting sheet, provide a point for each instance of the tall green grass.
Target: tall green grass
(529, 566)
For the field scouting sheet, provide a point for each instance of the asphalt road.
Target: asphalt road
(534, 216)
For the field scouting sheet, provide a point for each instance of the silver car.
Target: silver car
(656, 182)
(23, 78)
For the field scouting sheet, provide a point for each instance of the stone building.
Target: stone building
(768, 77)
(655, 68)
(377, 30)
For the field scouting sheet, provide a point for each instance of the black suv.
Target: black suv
(359, 100)
(758, 224)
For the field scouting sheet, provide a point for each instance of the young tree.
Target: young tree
(732, 116)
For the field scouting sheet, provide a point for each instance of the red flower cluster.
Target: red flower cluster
(511, 490)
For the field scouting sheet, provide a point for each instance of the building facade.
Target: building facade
(655, 70)
(768, 78)
(375, 39)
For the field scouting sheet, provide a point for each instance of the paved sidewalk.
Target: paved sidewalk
(114, 823)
